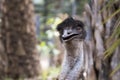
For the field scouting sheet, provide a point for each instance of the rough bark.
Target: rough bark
(99, 29)
(18, 38)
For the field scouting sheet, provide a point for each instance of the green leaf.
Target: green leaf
(115, 70)
(43, 44)
(111, 16)
(107, 5)
(116, 31)
(110, 50)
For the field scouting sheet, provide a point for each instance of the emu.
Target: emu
(75, 63)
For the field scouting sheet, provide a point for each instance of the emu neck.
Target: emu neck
(74, 48)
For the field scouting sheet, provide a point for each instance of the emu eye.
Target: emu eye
(78, 28)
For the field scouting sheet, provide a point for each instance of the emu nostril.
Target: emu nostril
(69, 32)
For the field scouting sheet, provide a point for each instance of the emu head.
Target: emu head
(71, 29)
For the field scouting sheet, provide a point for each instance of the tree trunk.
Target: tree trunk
(18, 38)
(99, 29)
(74, 8)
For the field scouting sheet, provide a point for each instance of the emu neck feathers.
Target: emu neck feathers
(74, 48)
